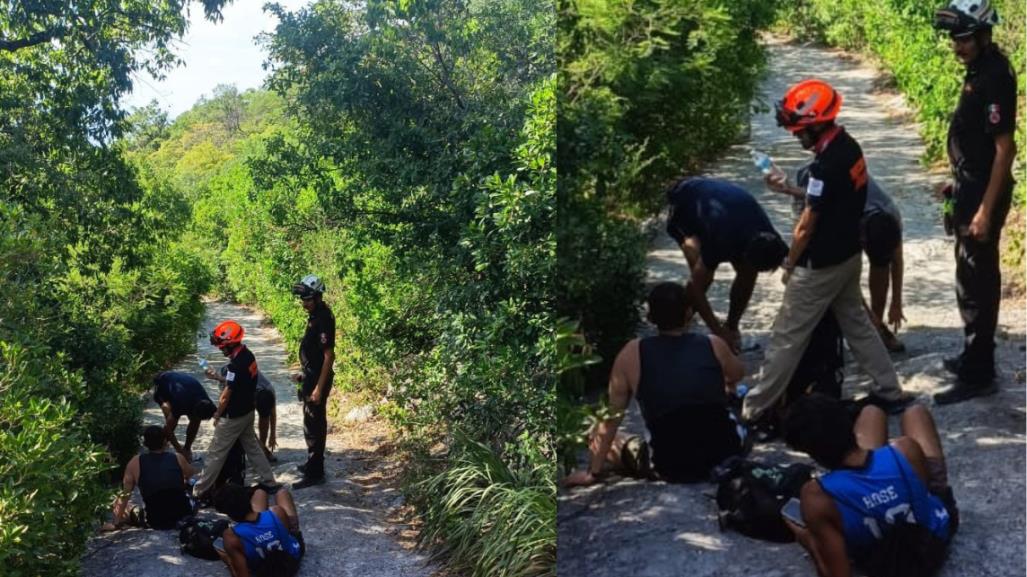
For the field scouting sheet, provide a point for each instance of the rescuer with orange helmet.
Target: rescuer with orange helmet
(822, 269)
(233, 419)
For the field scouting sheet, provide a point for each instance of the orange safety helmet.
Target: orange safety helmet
(226, 334)
(807, 103)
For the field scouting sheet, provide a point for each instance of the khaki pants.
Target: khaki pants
(807, 297)
(225, 434)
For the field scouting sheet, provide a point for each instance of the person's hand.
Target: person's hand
(785, 275)
(272, 443)
(980, 226)
(776, 182)
(579, 478)
(297, 377)
(315, 396)
(942, 190)
(211, 374)
(732, 338)
(217, 417)
(895, 316)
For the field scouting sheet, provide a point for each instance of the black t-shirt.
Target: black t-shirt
(319, 337)
(987, 107)
(724, 217)
(182, 391)
(241, 378)
(837, 193)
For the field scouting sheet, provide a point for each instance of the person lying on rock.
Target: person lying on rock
(263, 540)
(887, 507)
(181, 394)
(681, 381)
(162, 477)
(714, 221)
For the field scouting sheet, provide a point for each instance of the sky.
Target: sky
(225, 53)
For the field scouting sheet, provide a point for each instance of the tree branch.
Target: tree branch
(33, 40)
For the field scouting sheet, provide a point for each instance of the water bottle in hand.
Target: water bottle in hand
(204, 364)
(766, 166)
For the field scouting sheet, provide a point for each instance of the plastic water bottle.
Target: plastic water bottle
(765, 165)
(204, 364)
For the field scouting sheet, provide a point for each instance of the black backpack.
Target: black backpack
(821, 368)
(750, 495)
(197, 537)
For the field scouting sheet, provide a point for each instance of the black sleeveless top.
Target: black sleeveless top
(160, 484)
(684, 405)
(678, 371)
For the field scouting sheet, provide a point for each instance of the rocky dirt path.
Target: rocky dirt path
(654, 529)
(346, 522)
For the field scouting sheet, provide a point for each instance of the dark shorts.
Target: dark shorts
(264, 401)
(879, 234)
(687, 444)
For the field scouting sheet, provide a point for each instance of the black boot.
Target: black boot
(964, 390)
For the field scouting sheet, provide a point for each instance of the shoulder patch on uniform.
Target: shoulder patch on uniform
(994, 116)
(229, 376)
(815, 187)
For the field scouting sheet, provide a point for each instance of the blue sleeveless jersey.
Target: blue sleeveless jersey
(266, 534)
(871, 498)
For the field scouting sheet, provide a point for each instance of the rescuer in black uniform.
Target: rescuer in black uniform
(317, 355)
(981, 150)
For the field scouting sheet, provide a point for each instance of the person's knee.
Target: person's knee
(873, 412)
(917, 417)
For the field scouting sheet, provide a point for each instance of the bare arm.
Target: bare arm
(170, 422)
(226, 394)
(822, 537)
(187, 469)
(272, 437)
(895, 316)
(128, 483)
(234, 555)
(623, 379)
(732, 368)
(620, 391)
(801, 236)
(699, 279)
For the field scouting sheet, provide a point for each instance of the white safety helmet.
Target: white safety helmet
(964, 17)
(309, 287)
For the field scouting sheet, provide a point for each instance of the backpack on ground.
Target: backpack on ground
(750, 495)
(197, 537)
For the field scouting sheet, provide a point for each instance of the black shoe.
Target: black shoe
(309, 482)
(891, 342)
(302, 468)
(964, 390)
(891, 407)
(953, 364)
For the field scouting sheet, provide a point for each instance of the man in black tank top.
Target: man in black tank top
(682, 382)
(161, 476)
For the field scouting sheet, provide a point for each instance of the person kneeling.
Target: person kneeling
(682, 381)
(887, 507)
(262, 541)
